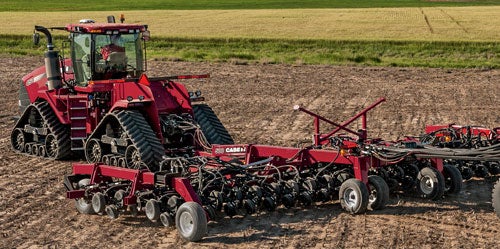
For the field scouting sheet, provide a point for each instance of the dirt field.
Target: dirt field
(255, 103)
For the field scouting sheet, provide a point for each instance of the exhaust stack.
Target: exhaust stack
(52, 65)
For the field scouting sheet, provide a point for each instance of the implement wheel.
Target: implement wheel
(191, 221)
(379, 192)
(430, 183)
(452, 179)
(83, 205)
(353, 195)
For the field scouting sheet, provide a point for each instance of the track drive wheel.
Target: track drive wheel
(93, 151)
(496, 198)
(18, 139)
(133, 158)
(353, 195)
(430, 183)
(191, 221)
(83, 205)
(452, 179)
(379, 192)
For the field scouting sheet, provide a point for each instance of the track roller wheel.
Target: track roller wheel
(191, 221)
(98, 203)
(133, 158)
(452, 179)
(42, 151)
(18, 139)
(106, 159)
(34, 149)
(153, 210)
(83, 205)
(93, 151)
(353, 195)
(167, 219)
(430, 183)
(379, 192)
(28, 148)
(496, 198)
(112, 211)
(113, 160)
(122, 163)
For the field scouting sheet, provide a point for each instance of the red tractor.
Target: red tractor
(100, 104)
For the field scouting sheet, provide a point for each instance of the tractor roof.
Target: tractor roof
(105, 28)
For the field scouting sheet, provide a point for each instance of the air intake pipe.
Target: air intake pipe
(52, 64)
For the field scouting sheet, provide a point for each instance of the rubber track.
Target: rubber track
(55, 127)
(140, 134)
(211, 126)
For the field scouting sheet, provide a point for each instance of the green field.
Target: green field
(120, 5)
(426, 36)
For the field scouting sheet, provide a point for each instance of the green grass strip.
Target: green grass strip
(326, 52)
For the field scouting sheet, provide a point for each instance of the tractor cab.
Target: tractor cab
(103, 51)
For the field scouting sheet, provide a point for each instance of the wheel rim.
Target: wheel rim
(18, 140)
(133, 157)
(186, 223)
(351, 198)
(51, 145)
(426, 185)
(94, 151)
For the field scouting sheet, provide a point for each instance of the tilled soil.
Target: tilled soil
(255, 102)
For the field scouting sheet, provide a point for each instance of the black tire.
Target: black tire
(212, 127)
(83, 205)
(452, 179)
(353, 196)
(430, 183)
(495, 198)
(378, 193)
(191, 221)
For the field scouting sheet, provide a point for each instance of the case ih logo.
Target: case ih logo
(230, 150)
(236, 150)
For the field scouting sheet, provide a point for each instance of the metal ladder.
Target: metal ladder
(78, 116)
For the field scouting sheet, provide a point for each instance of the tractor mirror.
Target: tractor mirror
(36, 38)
